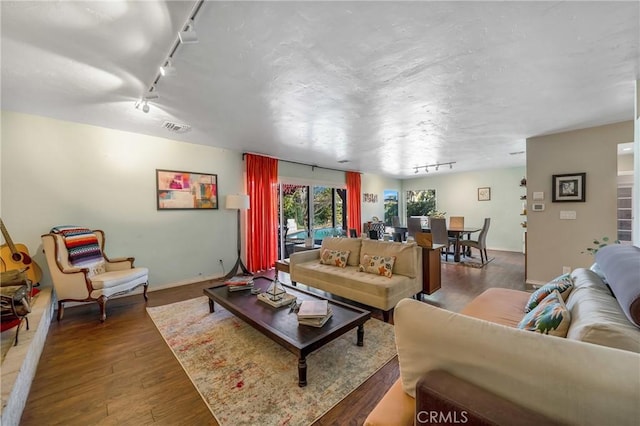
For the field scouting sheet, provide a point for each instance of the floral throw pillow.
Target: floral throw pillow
(563, 284)
(334, 257)
(551, 316)
(377, 265)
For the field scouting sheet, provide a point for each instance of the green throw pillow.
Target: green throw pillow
(551, 316)
(563, 284)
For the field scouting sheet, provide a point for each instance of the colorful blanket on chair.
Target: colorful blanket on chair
(82, 243)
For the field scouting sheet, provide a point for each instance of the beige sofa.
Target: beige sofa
(369, 289)
(591, 377)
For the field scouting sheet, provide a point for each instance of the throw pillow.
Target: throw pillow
(334, 257)
(563, 284)
(377, 265)
(95, 267)
(551, 316)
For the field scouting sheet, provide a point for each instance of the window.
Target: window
(421, 202)
(390, 206)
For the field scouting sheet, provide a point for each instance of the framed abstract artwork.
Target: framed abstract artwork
(569, 188)
(176, 190)
(484, 193)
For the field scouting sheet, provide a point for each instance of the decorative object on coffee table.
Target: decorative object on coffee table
(276, 291)
(237, 202)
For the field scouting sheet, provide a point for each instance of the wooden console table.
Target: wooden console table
(431, 274)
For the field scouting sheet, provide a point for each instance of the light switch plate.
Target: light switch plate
(538, 196)
(567, 214)
(537, 207)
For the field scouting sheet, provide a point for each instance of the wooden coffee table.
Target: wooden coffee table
(282, 327)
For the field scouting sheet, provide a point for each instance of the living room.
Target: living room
(61, 171)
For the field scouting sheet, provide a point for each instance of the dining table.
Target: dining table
(458, 233)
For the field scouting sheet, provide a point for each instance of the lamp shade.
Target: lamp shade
(237, 201)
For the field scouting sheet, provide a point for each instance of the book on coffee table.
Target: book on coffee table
(239, 280)
(316, 322)
(313, 309)
(285, 301)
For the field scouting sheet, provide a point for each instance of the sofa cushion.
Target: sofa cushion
(334, 257)
(563, 284)
(550, 316)
(405, 254)
(498, 305)
(620, 264)
(352, 245)
(369, 289)
(596, 316)
(377, 265)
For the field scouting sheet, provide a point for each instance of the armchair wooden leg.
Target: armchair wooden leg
(60, 310)
(146, 286)
(102, 301)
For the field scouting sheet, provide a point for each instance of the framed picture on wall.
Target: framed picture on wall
(177, 190)
(569, 188)
(484, 193)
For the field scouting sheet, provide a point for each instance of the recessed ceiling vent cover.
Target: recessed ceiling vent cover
(176, 127)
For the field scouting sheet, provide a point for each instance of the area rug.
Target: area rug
(247, 379)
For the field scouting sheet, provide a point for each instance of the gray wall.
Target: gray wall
(552, 242)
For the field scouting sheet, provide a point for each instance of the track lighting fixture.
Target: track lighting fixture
(142, 104)
(167, 69)
(188, 36)
(436, 165)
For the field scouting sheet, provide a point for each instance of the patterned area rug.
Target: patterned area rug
(247, 379)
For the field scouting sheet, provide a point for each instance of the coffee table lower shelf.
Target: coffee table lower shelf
(282, 327)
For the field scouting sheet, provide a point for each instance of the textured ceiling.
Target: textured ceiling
(387, 86)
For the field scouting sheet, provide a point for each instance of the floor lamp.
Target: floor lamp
(237, 202)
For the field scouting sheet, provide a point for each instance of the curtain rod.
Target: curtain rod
(313, 166)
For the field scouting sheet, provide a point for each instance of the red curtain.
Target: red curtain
(262, 216)
(354, 207)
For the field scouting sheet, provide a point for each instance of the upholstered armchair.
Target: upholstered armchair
(82, 272)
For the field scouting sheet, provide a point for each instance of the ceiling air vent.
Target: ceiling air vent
(176, 127)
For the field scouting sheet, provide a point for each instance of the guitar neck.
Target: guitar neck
(7, 238)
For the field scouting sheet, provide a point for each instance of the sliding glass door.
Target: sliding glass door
(308, 211)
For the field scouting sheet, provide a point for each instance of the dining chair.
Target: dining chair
(481, 242)
(456, 222)
(438, 226)
(413, 226)
(395, 222)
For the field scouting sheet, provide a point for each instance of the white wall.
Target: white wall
(374, 184)
(457, 194)
(57, 173)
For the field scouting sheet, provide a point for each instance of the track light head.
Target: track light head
(167, 69)
(426, 169)
(416, 172)
(450, 166)
(145, 107)
(188, 36)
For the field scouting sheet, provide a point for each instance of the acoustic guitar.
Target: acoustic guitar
(16, 256)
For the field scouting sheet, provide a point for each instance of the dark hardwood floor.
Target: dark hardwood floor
(121, 372)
